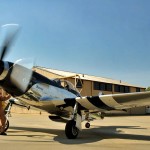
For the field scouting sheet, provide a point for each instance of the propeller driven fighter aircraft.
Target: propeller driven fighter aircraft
(58, 97)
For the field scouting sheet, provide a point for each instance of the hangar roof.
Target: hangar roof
(65, 74)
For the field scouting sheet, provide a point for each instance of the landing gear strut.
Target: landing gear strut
(7, 111)
(73, 126)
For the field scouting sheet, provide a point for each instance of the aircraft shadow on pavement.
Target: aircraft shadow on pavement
(94, 134)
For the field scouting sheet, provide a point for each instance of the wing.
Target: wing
(115, 101)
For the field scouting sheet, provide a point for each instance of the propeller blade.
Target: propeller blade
(10, 31)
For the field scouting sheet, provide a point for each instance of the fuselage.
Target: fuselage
(41, 92)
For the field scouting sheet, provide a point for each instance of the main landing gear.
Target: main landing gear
(74, 125)
(7, 111)
(71, 130)
(7, 114)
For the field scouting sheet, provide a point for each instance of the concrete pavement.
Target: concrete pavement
(37, 132)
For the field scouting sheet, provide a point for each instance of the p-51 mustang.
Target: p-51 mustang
(58, 97)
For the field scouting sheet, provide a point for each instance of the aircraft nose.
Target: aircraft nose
(4, 67)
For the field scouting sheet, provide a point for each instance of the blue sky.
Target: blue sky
(108, 38)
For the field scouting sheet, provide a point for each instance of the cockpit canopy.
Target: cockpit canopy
(68, 86)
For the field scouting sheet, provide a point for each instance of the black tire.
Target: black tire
(6, 126)
(71, 130)
(87, 125)
(102, 117)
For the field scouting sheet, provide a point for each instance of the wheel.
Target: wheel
(102, 116)
(87, 125)
(6, 125)
(71, 130)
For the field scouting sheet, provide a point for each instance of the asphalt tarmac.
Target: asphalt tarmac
(37, 132)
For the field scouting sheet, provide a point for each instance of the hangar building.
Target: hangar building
(89, 85)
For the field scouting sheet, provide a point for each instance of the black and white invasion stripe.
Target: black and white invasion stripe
(111, 102)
